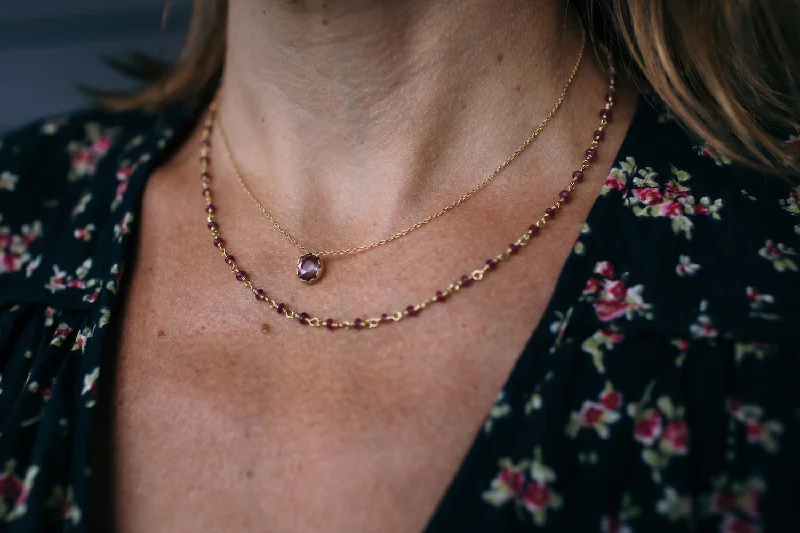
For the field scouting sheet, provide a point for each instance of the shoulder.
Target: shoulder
(718, 242)
(62, 184)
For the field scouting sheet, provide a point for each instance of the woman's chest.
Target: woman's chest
(219, 426)
(298, 430)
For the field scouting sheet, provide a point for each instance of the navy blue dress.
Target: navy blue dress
(658, 393)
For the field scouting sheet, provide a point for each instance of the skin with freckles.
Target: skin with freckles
(351, 120)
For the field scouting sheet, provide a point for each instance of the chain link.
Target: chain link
(429, 218)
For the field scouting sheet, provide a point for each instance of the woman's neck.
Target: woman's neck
(360, 107)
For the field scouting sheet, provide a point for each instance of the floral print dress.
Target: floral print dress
(659, 392)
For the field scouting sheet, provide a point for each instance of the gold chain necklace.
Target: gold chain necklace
(441, 296)
(310, 266)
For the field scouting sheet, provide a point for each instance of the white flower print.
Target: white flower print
(686, 267)
(8, 181)
(674, 506)
(500, 410)
(778, 255)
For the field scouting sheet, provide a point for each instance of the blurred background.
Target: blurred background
(49, 47)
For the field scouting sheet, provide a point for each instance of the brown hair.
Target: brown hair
(729, 71)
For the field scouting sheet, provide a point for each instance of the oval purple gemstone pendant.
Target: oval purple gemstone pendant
(310, 268)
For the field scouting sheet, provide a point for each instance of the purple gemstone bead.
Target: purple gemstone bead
(610, 96)
(564, 195)
(213, 225)
(578, 175)
(550, 211)
(210, 208)
(303, 318)
(384, 318)
(230, 259)
(513, 247)
(440, 297)
(606, 114)
(358, 324)
(204, 160)
(259, 294)
(411, 310)
(591, 152)
(308, 268)
(205, 176)
(612, 79)
(281, 308)
(219, 242)
(206, 191)
(491, 263)
(599, 135)
(329, 324)
(534, 230)
(241, 275)
(465, 281)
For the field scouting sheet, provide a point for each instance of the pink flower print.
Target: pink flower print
(792, 203)
(513, 480)
(704, 327)
(124, 172)
(62, 332)
(86, 154)
(10, 262)
(754, 296)
(81, 159)
(91, 297)
(778, 255)
(670, 209)
(538, 497)
(611, 400)
(755, 430)
(608, 310)
(617, 300)
(719, 158)
(648, 195)
(10, 485)
(84, 233)
(674, 190)
(15, 490)
(614, 183)
(508, 484)
(592, 286)
(123, 228)
(595, 416)
(681, 344)
(49, 312)
(591, 414)
(82, 338)
(748, 502)
(676, 437)
(721, 502)
(605, 269)
(647, 427)
(101, 145)
(616, 289)
(734, 406)
(734, 524)
(686, 267)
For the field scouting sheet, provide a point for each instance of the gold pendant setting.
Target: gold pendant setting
(310, 268)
